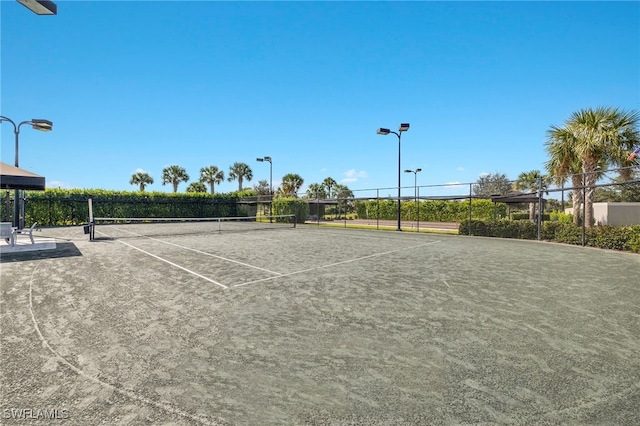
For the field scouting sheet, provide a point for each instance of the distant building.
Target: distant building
(615, 214)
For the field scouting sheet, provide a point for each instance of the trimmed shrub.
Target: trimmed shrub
(624, 238)
(291, 205)
(56, 207)
(431, 210)
(633, 243)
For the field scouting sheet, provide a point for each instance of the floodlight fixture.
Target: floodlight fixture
(383, 131)
(40, 7)
(42, 125)
(403, 127)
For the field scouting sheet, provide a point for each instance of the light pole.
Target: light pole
(415, 192)
(38, 124)
(382, 131)
(270, 182)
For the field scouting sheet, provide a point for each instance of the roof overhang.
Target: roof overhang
(515, 198)
(12, 177)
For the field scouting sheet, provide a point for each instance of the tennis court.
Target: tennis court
(319, 326)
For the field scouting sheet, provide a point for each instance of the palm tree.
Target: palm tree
(563, 162)
(291, 183)
(196, 187)
(343, 193)
(530, 181)
(262, 190)
(329, 183)
(142, 179)
(600, 134)
(240, 171)
(212, 176)
(174, 175)
(316, 190)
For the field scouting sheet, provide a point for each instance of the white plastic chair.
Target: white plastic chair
(7, 232)
(28, 231)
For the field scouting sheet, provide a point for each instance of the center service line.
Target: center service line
(334, 264)
(217, 257)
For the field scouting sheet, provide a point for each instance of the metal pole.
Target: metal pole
(470, 212)
(415, 188)
(270, 191)
(16, 194)
(540, 209)
(418, 206)
(377, 208)
(399, 168)
(584, 209)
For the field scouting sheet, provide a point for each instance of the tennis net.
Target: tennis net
(112, 227)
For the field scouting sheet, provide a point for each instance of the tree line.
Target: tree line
(580, 151)
(241, 172)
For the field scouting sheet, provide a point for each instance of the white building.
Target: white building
(615, 214)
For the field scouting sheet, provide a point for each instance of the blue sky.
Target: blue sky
(142, 85)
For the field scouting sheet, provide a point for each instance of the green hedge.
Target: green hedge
(55, 207)
(625, 238)
(291, 205)
(430, 210)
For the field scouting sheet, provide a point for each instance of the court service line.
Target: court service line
(203, 252)
(216, 256)
(334, 264)
(172, 264)
(122, 391)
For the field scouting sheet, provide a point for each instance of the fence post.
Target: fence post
(470, 215)
(418, 208)
(540, 209)
(7, 217)
(584, 209)
(377, 209)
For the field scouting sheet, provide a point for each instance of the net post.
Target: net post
(92, 234)
(294, 220)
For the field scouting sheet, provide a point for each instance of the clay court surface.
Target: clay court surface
(318, 326)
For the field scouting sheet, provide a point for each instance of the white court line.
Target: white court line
(171, 263)
(114, 388)
(334, 264)
(202, 252)
(217, 257)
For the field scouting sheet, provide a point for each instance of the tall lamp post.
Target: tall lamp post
(38, 124)
(415, 192)
(270, 182)
(382, 131)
